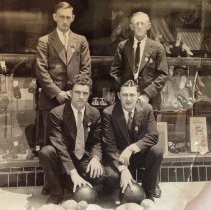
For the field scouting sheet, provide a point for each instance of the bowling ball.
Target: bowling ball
(134, 195)
(85, 193)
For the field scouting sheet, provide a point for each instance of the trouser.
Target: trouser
(56, 174)
(149, 158)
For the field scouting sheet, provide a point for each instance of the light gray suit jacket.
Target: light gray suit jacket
(56, 67)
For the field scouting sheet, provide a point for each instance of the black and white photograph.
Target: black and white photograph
(105, 105)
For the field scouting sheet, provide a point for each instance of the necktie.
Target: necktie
(137, 56)
(79, 143)
(65, 40)
(130, 120)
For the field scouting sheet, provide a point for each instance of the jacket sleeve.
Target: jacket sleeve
(41, 71)
(85, 65)
(57, 139)
(162, 74)
(150, 137)
(116, 66)
(109, 139)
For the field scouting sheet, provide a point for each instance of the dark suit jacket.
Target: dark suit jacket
(62, 133)
(153, 70)
(116, 136)
(56, 67)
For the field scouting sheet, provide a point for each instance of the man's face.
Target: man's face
(64, 18)
(80, 96)
(128, 97)
(140, 25)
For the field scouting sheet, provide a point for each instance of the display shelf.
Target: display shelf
(172, 61)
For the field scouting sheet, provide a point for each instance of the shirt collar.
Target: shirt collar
(126, 112)
(76, 111)
(60, 33)
(136, 41)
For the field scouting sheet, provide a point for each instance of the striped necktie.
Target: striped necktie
(130, 120)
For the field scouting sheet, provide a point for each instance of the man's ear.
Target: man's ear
(54, 16)
(149, 26)
(73, 18)
(131, 27)
(118, 95)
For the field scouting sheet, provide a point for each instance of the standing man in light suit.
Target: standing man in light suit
(61, 55)
(143, 60)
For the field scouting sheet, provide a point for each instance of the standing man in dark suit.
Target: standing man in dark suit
(61, 55)
(130, 136)
(75, 150)
(141, 59)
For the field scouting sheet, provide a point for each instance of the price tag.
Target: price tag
(15, 143)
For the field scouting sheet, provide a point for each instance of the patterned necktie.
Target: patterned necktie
(130, 120)
(79, 143)
(137, 56)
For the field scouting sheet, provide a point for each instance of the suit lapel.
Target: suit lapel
(147, 53)
(69, 121)
(121, 122)
(130, 53)
(71, 44)
(87, 121)
(58, 46)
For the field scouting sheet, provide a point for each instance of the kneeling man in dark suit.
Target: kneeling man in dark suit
(74, 156)
(130, 136)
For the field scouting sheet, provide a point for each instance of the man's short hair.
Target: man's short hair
(81, 79)
(63, 5)
(139, 13)
(130, 83)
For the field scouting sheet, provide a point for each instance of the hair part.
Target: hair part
(63, 5)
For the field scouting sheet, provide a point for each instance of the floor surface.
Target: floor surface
(175, 196)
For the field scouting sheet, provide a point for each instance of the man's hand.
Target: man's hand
(125, 156)
(61, 97)
(69, 94)
(78, 181)
(144, 98)
(94, 168)
(126, 179)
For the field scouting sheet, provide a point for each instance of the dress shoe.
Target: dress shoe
(55, 200)
(45, 190)
(157, 192)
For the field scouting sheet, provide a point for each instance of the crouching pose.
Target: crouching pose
(130, 136)
(74, 156)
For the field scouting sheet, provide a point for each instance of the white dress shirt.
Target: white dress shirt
(62, 38)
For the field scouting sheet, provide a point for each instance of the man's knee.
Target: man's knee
(47, 152)
(157, 151)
